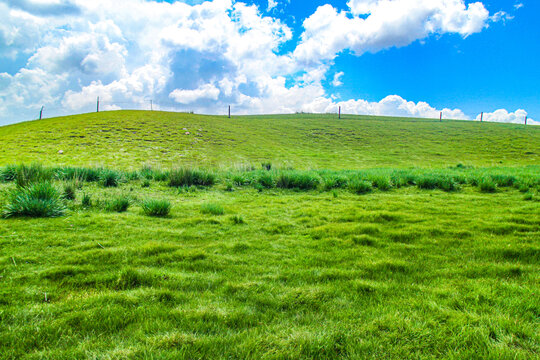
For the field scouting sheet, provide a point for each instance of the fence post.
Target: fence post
(339, 113)
(41, 113)
(525, 119)
(229, 111)
(97, 107)
(440, 119)
(481, 116)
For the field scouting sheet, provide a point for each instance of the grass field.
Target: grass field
(128, 139)
(264, 262)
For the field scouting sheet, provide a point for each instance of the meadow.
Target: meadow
(386, 241)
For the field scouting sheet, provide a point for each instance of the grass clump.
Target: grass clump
(360, 186)
(8, 173)
(110, 178)
(69, 192)
(212, 209)
(487, 185)
(297, 180)
(86, 201)
(335, 181)
(119, 204)
(155, 207)
(382, 182)
(29, 174)
(189, 177)
(237, 220)
(37, 200)
(266, 180)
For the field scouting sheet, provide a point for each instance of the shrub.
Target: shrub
(86, 201)
(189, 177)
(69, 192)
(110, 178)
(487, 185)
(157, 208)
(297, 180)
(213, 209)
(37, 200)
(119, 204)
(360, 186)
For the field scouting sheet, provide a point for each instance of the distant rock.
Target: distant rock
(187, 133)
(60, 152)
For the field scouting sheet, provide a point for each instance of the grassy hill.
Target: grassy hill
(128, 139)
(264, 262)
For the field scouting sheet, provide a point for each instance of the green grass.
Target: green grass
(286, 237)
(131, 139)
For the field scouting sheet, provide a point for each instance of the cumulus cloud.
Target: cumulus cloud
(502, 115)
(205, 56)
(392, 105)
(373, 25)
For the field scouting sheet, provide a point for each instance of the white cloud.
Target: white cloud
(271, 4)
(207, 91)
(392, 105)
(518, 6)
(501, 16)
(502, 115)
(373, 25)
(337, 79)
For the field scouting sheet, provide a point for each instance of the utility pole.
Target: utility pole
(339, 113)
(41, 114)
(482, 116)
(229, 111)
(440, 119)
(525, 119)
(97, 107)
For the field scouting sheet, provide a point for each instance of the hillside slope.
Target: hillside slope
(131, 138)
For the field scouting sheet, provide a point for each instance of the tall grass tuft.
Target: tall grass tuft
(297, 180)
(69, 192)
(360, 186)
(40, 199)
(267, 180)
(29, 174)
(8, 173)
(213, 209)
(86, 201)
(382, 182)
(189, 177)
(118, 204)
(335, 181)
(487, 185)
(110, 178)
(157, 208)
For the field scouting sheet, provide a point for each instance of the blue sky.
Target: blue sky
(381, 57)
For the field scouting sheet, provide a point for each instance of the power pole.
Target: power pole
(229, 111)
(41, 113)
(339, 113)
(525, 119)
(481, 116)
(440, 119)
(97, 107)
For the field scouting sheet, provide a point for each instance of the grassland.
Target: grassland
(128, 139)
(253, 263)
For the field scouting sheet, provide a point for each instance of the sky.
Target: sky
(373, 57)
